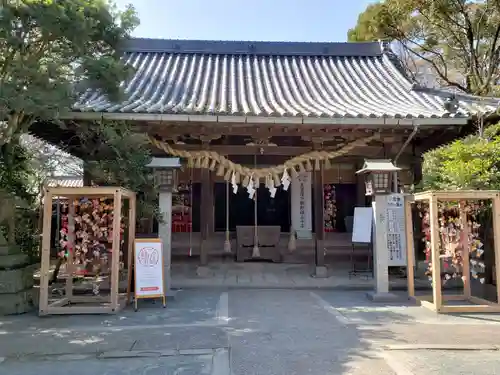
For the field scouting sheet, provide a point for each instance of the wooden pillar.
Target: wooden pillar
(360, 187)
(45, 261)
(319, 225)
(206, 209)
(115, 249)
(204, 215)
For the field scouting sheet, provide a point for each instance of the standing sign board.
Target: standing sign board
(362, 226)
(301, 197)
(395, 230)
(362, 237)
(149, 269)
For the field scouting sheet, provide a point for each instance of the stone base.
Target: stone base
(13, 261)
(13, 281)
(382, 297)
(36, 297)
(321, 272)
(172, 294)
(17, 303)
(9, 250)
(203, 271)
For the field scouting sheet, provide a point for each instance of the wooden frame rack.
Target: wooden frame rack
(437, 302)
(94, 304)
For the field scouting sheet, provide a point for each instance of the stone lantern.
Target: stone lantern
(378, 177)
(164, 177)
(379, 174)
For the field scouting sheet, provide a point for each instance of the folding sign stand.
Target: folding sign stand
(149, 270)
(362, 239)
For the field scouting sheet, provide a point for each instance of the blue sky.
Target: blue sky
(268, 20)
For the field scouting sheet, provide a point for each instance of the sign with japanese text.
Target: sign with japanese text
(301, 198)
(395, 230)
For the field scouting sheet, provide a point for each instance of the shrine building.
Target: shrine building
(260, 104)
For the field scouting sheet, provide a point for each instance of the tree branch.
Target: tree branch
(492, 59)
(442, 75)
(469, 30)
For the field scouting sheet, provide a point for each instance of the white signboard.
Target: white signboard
(395, 230)
(362, 225)
(148, 262)
(301, 200)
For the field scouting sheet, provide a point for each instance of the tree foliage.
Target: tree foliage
(51, 51)
(116, 155)
(458, 39)
(19, 197)
(469, 163)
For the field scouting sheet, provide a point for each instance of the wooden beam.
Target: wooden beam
(272, 150)
(261, 130)
(249, 150)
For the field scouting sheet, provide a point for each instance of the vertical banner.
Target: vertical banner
(301, 200)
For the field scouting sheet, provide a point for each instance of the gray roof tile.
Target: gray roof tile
(268, 79)
(65, 181)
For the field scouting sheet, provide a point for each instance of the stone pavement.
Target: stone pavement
(251, 331)
(184, 338)
(271, 276)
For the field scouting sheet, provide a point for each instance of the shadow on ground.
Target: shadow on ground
(288, 332)
(187, 323)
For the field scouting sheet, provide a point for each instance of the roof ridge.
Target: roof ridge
(367, 49)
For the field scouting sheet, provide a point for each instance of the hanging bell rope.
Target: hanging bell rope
(225, 167)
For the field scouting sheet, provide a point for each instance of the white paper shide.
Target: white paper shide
(148, 269)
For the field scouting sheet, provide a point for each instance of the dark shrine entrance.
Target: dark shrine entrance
(270, 211)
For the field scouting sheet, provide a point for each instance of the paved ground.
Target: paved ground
(282, 275)
(236, 332)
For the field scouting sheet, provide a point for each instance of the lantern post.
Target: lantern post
(378, 175)
(164, 178)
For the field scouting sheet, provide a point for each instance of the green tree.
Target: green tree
(19, 198)
(471, 163)
(458, 39)
(116, 155)
(51, 51)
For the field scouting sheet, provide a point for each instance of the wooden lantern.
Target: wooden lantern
(439, 302)
(88, 304)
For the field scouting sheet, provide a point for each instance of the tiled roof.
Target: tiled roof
(328, 80)
(66, 181)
